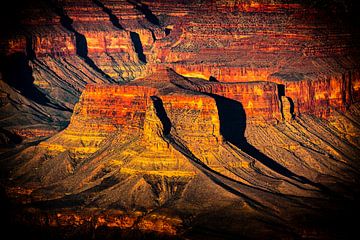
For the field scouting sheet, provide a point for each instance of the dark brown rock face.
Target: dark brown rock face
(126, 119)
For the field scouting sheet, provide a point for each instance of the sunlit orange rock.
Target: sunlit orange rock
(182, 119)
(63, 45)
(259, 100)
(101, 111)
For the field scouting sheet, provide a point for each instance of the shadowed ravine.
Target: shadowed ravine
(19, 75)
(143, 8)
(216, 119)
(81, 43)
(232, 126)
(251, 195)
(135, 38)
(113, 18)
(223, 181)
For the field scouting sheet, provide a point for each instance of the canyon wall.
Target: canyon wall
(230, 119)
(70, 44)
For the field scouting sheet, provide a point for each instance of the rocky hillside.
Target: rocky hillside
(180, 119)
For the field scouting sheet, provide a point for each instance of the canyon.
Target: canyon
(179, 119)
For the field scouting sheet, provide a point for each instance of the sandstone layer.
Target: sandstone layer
(180, 119)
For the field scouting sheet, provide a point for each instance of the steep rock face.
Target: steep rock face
(69, 44)
(55, 42)
(201, 111)
(131, 111)
(102, 110)
(178, 141)
(108, 44)
(298, 51)
(334, 93)
(247, 108)
(156, 125)
(259, 100)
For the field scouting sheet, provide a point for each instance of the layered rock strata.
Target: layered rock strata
(139, 116)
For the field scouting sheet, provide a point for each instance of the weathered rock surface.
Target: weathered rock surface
(181, 119)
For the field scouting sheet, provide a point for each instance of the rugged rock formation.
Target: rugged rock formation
(180, 119)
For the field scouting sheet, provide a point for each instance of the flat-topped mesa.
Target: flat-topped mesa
(101, 111)
(191, 115)
(143, 113)
(166, 146)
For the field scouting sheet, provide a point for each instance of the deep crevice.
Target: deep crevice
(135, 38)
(214, 176)
(144, 9)
(161, 114)
(80, 40)
(281, 90)
(232, 118)
(292, 107)
(113, 18)
(29, 48)
(281, 93)
(18, 74)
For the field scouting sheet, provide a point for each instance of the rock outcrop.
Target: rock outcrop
(136, 119)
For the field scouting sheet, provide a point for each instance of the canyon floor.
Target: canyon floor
(180, 120)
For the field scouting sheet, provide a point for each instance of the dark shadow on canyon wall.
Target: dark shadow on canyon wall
(281, 90)
(167, 31)
(292, 107)
(144, 9)
(80, 40)
(135, 38)
(232, 118)
(18, 74)
(282, 93)
(113, 18)
(8, 138)
(213, 79)
(161, 114)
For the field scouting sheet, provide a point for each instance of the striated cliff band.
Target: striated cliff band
(179, 119)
